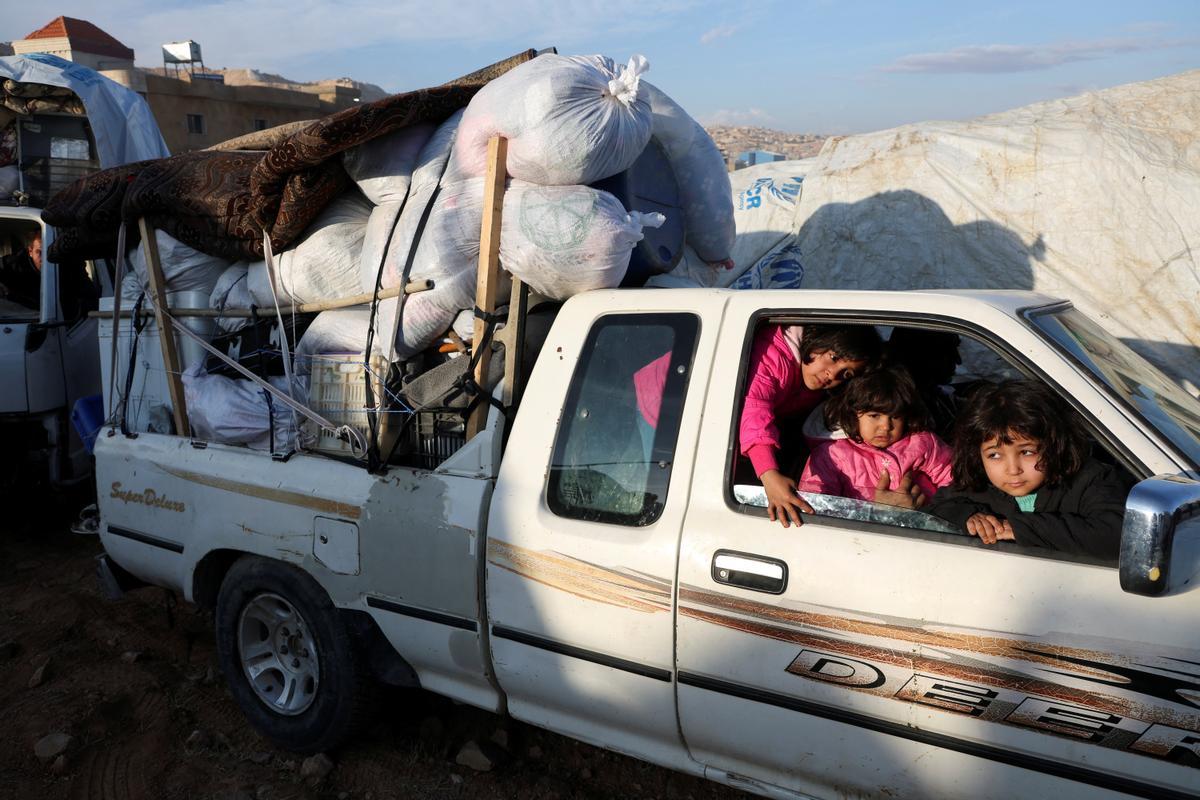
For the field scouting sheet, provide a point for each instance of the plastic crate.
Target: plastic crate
(431, 437)
(337, 390)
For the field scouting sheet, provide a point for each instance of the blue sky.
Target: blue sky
(816, 66)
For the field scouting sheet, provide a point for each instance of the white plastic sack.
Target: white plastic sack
(766, 200)
(184, 268)
(567, 121)
(381, 231)
(236, 411)
(426, 318)
(700, 171)
(430, 166)
(1092, 198)
(382, 167)
(344, 330)
(324, 263)
(563, 240)
(232, 291)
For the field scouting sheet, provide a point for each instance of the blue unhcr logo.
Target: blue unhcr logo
(785, 192)
(778, 270)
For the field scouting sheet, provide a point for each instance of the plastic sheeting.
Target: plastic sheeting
(121, 120)
(1092, 198)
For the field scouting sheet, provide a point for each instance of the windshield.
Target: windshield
(1156, 398)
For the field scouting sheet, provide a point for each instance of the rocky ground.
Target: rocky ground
(103, 700)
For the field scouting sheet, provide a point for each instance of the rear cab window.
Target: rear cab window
(615, 445)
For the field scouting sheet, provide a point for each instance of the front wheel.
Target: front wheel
(290, 664)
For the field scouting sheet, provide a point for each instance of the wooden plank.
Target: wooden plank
(513, 337)
(166, 333)
(488, 279)
(305, 308)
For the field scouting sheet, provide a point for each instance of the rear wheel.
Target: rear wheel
(290, 664)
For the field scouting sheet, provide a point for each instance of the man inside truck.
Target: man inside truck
(21, 272)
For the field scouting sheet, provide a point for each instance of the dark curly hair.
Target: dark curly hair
(1017, 408)
(850, 342)
(890, 390)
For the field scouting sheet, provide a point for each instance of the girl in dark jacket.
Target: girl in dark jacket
(1021, 473)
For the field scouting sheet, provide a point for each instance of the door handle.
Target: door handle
(749, 571)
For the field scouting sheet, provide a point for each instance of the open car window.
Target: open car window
(946, 380)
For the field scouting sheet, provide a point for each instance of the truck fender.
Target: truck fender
(387, 665)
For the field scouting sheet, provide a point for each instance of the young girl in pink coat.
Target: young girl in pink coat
(889, 455)
(791, 369)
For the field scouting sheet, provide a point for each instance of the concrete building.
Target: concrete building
(195, 112)
(753, 157)
(79, 41)
(192, 111)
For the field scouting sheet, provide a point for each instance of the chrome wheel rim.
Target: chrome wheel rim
(278, 655)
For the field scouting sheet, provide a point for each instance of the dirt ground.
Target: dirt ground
(135, 686)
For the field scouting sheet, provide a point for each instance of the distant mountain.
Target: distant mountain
(734, 139)
(253, 77)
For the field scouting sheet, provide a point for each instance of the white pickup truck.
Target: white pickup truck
(631, 595)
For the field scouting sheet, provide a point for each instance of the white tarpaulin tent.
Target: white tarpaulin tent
(1094, 198)
(121, 120)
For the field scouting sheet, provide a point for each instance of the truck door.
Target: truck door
(585, 524)
(869, 659)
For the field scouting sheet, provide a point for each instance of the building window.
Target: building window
(260, 124)
(195, 123)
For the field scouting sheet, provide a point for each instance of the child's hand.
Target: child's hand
(990, 529)
(906, 495)
(783, 504)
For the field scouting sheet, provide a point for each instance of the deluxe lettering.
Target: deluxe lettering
(146, 497)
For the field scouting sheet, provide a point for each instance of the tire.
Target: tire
(291, 665)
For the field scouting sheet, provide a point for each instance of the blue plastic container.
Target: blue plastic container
(87, 416)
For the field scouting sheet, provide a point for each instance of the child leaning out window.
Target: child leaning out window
(1022, 474)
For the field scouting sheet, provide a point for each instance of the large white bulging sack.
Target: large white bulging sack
(232, 291)
(563, 240)
(699, 167)
(236, 411)
(184, 268)
(383, 166)
(567, 121)
(383, 230)
(324, 264)
(344, 330)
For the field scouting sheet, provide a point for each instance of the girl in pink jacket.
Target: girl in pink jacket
(791, 369)
(889, 455)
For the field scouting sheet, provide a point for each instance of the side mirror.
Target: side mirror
(1154, 509)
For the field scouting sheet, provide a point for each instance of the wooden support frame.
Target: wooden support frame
(166, 333)
(305, 308)
(487, 281)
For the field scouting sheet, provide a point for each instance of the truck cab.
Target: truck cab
(611, 574)
(48, 348)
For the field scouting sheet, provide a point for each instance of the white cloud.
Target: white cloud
(741, 116)
(719, 32)
(999, 58)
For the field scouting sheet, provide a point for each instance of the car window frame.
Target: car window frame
(928, 321)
